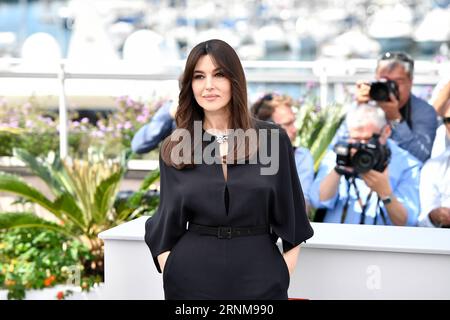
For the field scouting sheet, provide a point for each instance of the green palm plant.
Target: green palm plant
(317, 128)
(81, 205)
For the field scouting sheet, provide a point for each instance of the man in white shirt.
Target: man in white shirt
(441, 102)
(435, 186)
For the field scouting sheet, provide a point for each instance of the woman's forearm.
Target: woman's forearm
(291, 257)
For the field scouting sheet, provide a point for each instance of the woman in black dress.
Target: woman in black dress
(215, 232)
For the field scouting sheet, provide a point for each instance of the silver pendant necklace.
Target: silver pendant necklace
(221, 138)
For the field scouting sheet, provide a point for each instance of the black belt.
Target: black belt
(228, 232)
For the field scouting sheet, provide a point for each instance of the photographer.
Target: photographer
(435, 193)
(413, 121)
(278, 109)
(441, 102)
(388, 197)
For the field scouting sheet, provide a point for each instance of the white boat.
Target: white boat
(272, 38)
(90, 41)
(351, 44)
(433, 31)
(8, 44)
(41, 48)
(312, 29)
(392, 27)
(303, 39)
(226, 35)
(149, 51)
(119, 31)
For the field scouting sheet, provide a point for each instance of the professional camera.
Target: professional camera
(371, 155)
(380, 90)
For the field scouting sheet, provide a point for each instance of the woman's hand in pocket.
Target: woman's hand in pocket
(162, 258)
(290, 257)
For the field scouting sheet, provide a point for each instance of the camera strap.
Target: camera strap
(350, 182)
(363, 206)
(344, 210)
(381, 212)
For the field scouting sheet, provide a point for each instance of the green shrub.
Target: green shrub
(35, 259)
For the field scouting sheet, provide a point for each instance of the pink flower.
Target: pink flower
(128, 125)
(27, 106)
(97, 134)
(101, 126)
(310, 85)
(129, 102)
(439, 58)
(14, 124)
(29, 123)
(141, 118)
(116, 134)
(121, 99)
(48, 121)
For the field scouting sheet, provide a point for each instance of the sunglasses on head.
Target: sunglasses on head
(446, 120)
(398, 56)
(261, 102)
(267, 97)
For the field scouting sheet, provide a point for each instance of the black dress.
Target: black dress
(249, 267)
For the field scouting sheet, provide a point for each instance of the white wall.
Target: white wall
(339, 262)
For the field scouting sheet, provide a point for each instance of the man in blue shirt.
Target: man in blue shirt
(390, 197)
(278, 109)
(413, 120)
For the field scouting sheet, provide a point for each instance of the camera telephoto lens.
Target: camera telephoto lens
(381, 90)
(363, 161)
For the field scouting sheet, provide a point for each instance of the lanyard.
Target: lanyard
(381, 211)
(344, 210)
(350, 182)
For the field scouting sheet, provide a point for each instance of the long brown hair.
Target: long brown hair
(225, 58)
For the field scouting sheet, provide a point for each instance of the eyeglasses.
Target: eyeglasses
(446, 120)
(398, 56)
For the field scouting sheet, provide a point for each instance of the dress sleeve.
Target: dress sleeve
(168, 224)
(289, 219)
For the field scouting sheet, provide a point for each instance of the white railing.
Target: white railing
(324, 72)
